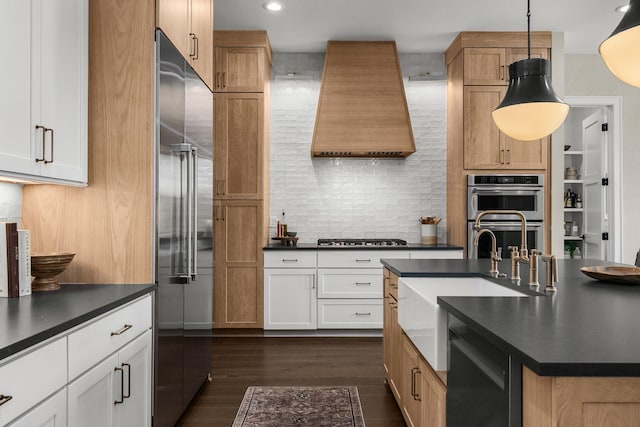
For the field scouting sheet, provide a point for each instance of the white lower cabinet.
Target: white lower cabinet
(91, 396)
(50, 413)
(117, 391)
(98, 374)
(290, 298)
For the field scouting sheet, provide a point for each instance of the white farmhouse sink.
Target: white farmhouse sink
(422, 319)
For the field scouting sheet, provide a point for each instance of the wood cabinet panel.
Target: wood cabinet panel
(238, 295)
(240, 69)
(485, 147)
(189, 26)
(580, 401)
(412, 390)
(485, 66)
(482, 138)
(202, 29)
(173, 20)
(239, 124)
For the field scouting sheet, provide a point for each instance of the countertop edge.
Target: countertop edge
(408, 247)
(57, 329)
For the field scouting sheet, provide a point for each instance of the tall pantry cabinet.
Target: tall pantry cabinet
(241, 119)
(109, 224)
(478, 76)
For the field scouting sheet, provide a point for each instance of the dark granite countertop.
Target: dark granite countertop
(409, 246)
(29, 320)
(588, 328)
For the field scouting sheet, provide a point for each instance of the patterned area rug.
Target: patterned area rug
(300, 406)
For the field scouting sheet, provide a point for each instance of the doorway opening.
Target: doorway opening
(592, 179)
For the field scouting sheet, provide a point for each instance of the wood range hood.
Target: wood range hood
(362, 110)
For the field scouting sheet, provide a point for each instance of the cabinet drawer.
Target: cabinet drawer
(357, 258)
(31, 377)
(350, 314)
(94, 342)
(349, 283)
(293, 259)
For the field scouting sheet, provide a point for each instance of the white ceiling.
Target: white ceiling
(416, 25)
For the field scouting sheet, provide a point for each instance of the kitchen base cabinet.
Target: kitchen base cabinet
(50, 413)
(579, 401)
(91, 397)
(238, 288)
(392, 335)
(412, 393)
(116, 392)
(290, 298)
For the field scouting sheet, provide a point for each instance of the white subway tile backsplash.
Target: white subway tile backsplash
(11, 203)
(355, 198)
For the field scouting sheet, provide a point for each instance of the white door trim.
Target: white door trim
(615, 169)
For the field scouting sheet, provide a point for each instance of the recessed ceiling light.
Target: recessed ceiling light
(622, 8)
(273, 6)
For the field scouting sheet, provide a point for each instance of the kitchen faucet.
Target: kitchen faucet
(496, 255)
(517, 256)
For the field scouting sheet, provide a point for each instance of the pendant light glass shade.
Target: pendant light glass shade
(621, 51)
(530, 109)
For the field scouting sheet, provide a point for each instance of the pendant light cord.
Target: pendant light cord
(529, 29)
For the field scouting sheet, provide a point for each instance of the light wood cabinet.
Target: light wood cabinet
(412, 384)
(189, 26)
(241, 186)
(487, 66)
(392, 335)
(242, 61)
(434, 407)
(240, 69)
(239, 147)
(579, 401)
(238, 291)
(485, 147)
(477, 71)
(43, 109)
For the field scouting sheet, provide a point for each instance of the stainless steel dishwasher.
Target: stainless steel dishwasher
(484, 384)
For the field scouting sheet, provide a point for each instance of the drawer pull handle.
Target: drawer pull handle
(363, 283)
(124, 329)
(363, 260)
(289, 260)
(363, 314)
(4, 399)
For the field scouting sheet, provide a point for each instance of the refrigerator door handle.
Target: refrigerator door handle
(184, 274)
(194, 213)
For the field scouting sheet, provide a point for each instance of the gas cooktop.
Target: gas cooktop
(361, 242)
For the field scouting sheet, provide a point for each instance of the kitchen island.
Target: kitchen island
(579, 348)
(64, 355)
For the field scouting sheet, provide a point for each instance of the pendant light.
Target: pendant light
(620, 51)
(531, 109)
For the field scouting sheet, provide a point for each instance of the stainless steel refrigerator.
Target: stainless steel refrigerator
(184, 232)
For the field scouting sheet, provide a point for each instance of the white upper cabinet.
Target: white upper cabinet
(43, 112)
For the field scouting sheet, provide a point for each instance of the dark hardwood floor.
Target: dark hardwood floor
(241, 362)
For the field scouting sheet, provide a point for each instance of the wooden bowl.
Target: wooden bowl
(614, 273)
(45, 268)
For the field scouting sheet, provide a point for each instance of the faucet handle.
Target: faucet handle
(514, 251)
(552, 272)
(499, 253)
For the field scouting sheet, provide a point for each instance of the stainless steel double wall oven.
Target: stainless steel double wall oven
(524, 193)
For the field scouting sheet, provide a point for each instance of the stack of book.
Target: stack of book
(15, 261)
